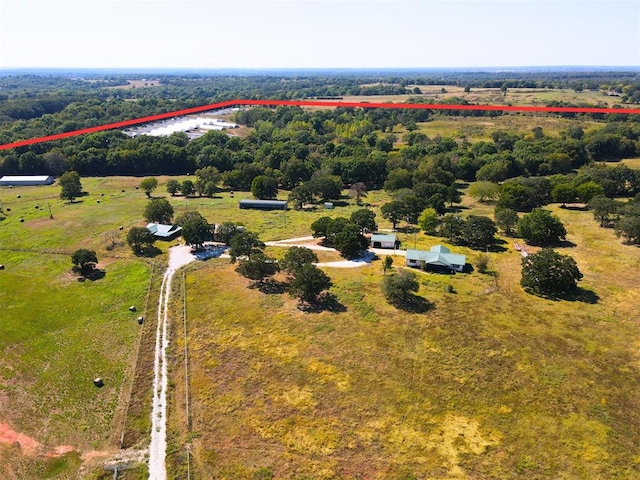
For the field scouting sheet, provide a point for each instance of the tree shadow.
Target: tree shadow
(270, 286)
(580, 295)
(565, 244)
(413, 304)
(326, 302)
(93, 275)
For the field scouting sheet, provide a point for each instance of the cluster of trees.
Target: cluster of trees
(623, 217)
(346, 235)
(306, 282)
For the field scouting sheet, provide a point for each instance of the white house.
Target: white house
(437, 257)
(383, 240)
(24, 180)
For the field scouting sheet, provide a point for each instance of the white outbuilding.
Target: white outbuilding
(24, 180)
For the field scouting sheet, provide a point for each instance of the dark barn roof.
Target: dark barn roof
(264, 204)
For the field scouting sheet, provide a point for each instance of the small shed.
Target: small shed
(25, 180)
(264, 204)
(164, 232)
(438, 258)
(328, 205)
(384, 240)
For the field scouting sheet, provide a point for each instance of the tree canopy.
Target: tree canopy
(84, 261)
(548, 273)
(195, 228)
(158, 210)
(71, 186)
(148, 185)
(139, 239)
(308, 283)
(541, 227)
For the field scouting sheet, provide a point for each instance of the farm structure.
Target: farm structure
(437, 258)
(264, 204)
(25, 180)
(164, 232)
(384, 240)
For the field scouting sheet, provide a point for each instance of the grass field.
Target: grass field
(485, 385)
(493, 96)
(488, 384)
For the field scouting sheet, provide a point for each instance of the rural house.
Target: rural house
(384, 240)
(437, 258)
(164, 232)
(23, 180)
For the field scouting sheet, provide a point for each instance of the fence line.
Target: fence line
(133, 374)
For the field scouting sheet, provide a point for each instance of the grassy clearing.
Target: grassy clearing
(497, 385)
(493, 96)
(633, 163)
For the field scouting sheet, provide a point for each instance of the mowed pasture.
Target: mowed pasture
(490, 383)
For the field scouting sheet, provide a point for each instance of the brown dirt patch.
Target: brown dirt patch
(29, 446)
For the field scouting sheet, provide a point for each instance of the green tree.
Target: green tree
(71, 186)
(541, 227)
(300, 195)
(479, 231)
(84, 261)
(328, 187)
(400, 287)
(603, 209)
(452, 227)
(257, 267)
(484, 191)
(393, 211)
(264, 187)
(320, 227)
(139, 239)
(309, 283)
(148, 185)
(365, 219)
(428, 221)
(563, 193)
(245, 244)
(297, 257)
(158, 210)
(588, 190)
(349, 241)
(227, 230)
(173, 186)
(187, 188)
(195, 228)
(629, 227)
(548, 273)
(387, 264)
(208, 175)
(506, 219)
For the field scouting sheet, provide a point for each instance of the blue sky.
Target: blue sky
(317, 33)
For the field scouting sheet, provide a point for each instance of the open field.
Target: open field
(493, 96)
(485, 385)
(633, 163)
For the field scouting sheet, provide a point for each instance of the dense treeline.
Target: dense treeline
(293, 145)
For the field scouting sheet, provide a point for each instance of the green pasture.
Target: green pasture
(490, 383)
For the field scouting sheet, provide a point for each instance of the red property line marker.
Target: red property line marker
(318, 103)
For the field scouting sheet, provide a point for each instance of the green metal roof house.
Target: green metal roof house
(436, 257)
(383, 240)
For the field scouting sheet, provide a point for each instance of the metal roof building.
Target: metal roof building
(22, 180)
(165, 232)
(383, 240)
(438, 256)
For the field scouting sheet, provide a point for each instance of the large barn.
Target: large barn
(24, 180)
